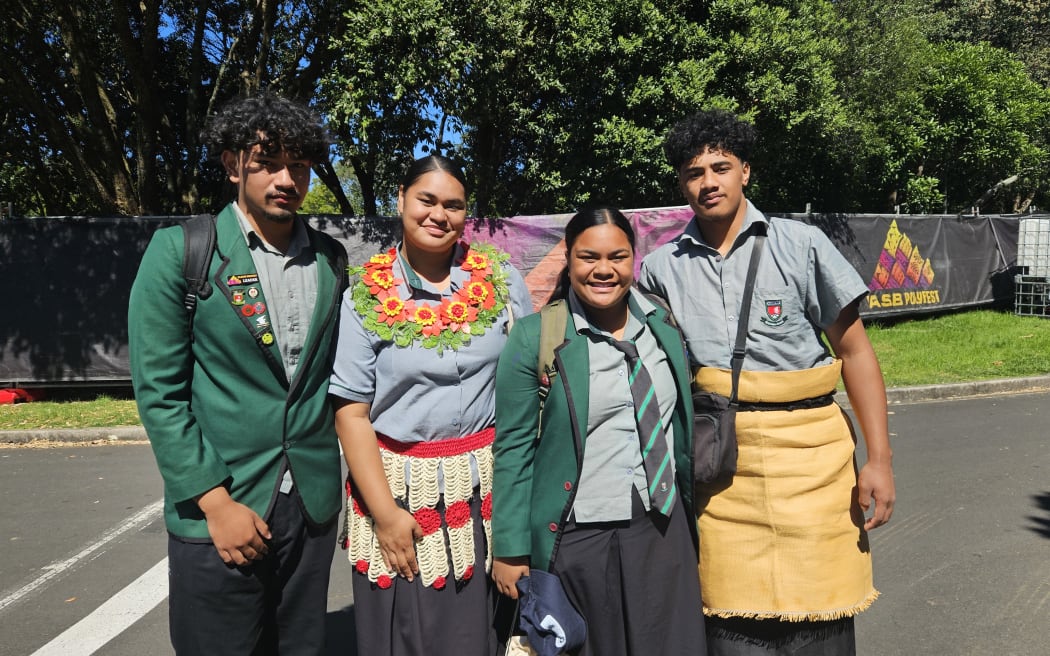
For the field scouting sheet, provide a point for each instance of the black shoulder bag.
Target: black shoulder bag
(714, 421)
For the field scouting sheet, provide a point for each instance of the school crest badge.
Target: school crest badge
(774, 313)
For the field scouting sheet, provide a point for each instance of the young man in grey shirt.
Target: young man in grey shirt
(784, 554)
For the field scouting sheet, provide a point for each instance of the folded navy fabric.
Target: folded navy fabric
(547, 616)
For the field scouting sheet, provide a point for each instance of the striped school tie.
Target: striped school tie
(651, 434)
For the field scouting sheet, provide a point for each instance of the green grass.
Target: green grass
(962, 347)
(101, 412)
(951, 348)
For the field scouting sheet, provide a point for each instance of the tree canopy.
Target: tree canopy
(860, 106)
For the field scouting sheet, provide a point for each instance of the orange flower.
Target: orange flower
(379, 280)
(457, 313)
(477, 263)
(382, 259)
(471, 310)
(428, 320)
(481, 293)
(391, 310)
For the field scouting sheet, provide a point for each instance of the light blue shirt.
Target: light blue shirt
(612, 460)
(417, 394)
(803, 284)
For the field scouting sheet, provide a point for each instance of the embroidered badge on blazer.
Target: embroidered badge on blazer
(774, 313)
(247, 284)
(242, 279)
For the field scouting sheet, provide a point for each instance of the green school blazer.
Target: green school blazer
(214, 397)
(534, 482)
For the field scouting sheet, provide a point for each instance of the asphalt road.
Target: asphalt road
(963, 567)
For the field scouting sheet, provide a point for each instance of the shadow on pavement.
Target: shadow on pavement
(340, 633)
(1041, 524)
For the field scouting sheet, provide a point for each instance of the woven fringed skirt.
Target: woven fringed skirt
(448, 609)
(785, 538)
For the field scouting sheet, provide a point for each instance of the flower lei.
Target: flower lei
(446, 324)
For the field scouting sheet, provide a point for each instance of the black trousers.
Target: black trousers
(740, 636)
(273, 606)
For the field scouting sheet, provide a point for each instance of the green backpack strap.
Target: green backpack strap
(553, 319)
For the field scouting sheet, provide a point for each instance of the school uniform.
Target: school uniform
(433, 413)
(570, 490)
(783, 552)
(223, 404)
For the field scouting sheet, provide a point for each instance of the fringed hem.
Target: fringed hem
(805, 616)
(446, 536)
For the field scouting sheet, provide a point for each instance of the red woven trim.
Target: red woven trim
(457, 514)
(440, 448)
(429, 520)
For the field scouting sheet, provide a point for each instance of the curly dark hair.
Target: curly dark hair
(271, 121)
(714, 129)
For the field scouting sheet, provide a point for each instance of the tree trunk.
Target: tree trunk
(330, 179)
(103, 140)
(194, 110)
(365, 178)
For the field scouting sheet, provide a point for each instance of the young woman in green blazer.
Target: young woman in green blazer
(598, 489)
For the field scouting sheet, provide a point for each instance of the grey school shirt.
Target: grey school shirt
(289, 283)
(803, 284)
(417, 394)
(612, 461)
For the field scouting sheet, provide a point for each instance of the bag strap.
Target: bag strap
(659, 302)
(554, 317)
(740, 350)
(198, 234)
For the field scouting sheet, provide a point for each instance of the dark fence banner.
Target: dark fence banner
(930, 263)
(66, 280)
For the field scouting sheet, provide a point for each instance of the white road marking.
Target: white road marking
(136, 521)
(111, 618)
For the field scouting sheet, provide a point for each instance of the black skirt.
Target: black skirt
(408, 618)
(635, 583)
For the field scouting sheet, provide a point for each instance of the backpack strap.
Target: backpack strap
(659, 302)
(199, 243)
(554, 317)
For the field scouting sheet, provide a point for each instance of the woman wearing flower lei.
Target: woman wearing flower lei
(421, 330)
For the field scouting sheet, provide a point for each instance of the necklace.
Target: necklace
(448, 323)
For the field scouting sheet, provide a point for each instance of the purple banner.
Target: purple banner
(66, 280)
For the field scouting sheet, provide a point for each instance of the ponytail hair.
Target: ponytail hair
(588, 217)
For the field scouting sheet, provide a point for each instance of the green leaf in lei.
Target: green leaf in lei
(405, 331)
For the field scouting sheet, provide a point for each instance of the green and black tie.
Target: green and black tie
(651, 437)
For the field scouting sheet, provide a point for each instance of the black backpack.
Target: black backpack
(199, 238)
(199, 245)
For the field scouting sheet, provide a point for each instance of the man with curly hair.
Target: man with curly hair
(233, 396)
(784, 558)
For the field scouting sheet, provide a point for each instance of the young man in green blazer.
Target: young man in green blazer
(234, 396)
